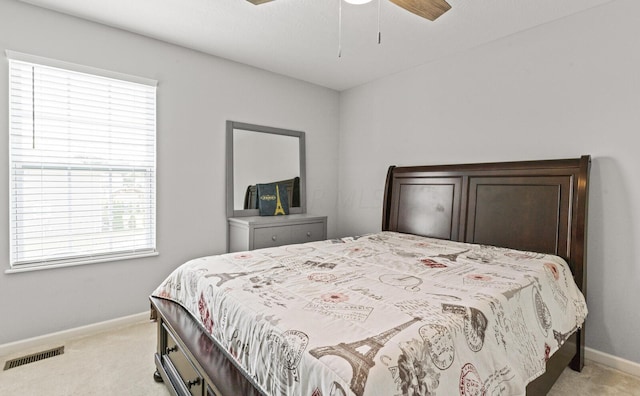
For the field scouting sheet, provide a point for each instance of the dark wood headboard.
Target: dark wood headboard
(538, 206)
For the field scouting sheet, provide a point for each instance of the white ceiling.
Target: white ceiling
(299, 38)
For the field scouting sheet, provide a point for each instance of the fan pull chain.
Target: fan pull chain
(339, 28)
(379, 34)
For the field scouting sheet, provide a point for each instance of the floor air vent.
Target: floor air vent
(33, 357)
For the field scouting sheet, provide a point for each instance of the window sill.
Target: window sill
(39, 267)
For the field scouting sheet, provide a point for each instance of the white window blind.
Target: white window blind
(82, 165)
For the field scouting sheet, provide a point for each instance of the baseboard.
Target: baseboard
(64, 336)
(626, 366)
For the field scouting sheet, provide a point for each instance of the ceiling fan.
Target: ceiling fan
(429, 9)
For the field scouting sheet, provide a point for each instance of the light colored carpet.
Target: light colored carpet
(120, 362)
(595, 379)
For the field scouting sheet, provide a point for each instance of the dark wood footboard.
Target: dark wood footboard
(188, 360)
(219, 377)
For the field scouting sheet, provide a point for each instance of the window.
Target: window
(82, 164)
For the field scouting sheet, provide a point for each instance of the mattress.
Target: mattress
(383, 314)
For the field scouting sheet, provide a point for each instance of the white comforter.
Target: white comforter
(383, 314)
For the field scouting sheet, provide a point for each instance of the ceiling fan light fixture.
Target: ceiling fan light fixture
(357, 1)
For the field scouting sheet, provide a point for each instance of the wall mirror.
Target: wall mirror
(261, 154)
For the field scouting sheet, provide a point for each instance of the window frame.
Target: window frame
(78, 258)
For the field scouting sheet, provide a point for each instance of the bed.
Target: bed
(486, 249)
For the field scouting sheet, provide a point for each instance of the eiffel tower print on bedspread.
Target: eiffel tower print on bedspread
(361, 363)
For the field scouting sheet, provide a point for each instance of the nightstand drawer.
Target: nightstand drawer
(189, 376)
(307, 232)
(258, 232)
(271, 236)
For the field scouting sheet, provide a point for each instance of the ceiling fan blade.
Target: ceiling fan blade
(429, 9)
(256, 2)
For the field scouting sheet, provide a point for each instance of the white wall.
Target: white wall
(560, 90)
(196, 95)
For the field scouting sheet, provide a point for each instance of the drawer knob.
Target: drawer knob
(274, 237)
(308, 234)
(193, 383)
(172, 349)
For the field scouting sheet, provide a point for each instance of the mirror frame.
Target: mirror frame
(231, 126)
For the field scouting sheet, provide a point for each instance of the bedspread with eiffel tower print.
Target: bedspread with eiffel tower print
(383, 314)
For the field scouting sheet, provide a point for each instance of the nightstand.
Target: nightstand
(257, 232)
